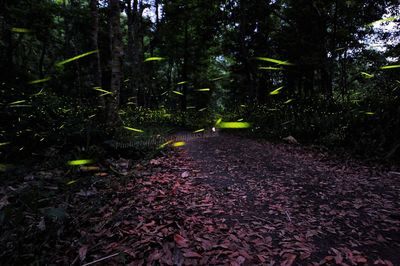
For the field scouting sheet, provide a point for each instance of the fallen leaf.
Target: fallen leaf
(155, 162)
(360, 259)
(155, 255)
(185, 174)
(388, 263)
(338, 259)
(4, 202)
(89, 168)
(261, 258)
(42, 225)
(290, 258)
(181, 241)
(192, 254)
(82, 252)
(240, 260)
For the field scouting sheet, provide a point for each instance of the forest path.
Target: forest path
(285, 203)
(226, 200)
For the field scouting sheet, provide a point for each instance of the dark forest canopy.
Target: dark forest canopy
(83, 70)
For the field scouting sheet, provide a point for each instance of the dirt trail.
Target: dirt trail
(296, 205)
(227, 200)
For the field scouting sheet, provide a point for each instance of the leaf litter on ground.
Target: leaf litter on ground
(227, 201)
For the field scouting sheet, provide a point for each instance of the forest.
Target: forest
(188, 132)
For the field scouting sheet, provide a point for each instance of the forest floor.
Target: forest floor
(227, 200)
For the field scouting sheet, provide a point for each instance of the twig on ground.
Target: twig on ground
(101, 259)
(287, 214)
(201, 205)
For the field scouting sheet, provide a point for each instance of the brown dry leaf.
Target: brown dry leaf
(338, 259)
(379, 262)
(89, 168)
(155, 255)
(261, 258)
(326, 259)
(82, 252)
(360, 259)
(388, 263)
(185, 174)
(380, 238)
(234, 238)
(139, 167)
(240, 260)
(181, 241)
(290, 258)
(206, 244)
(4, 202)
(191, 254)
(305, 255)
(101, 174)
(245, 254)
(155, 162)
(167, 255)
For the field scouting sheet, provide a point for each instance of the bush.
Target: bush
(367, 128)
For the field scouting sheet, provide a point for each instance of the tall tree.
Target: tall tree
(248, 27)
(134, 64)
(316, 34)
(94, 32)
(116, 48)
(189, 33)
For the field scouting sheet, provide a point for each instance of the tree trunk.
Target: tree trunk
(155, 40)
(113, 119)
(244, 54)
(135, 49)
(129, 53)
(185, 70)
(95, 64)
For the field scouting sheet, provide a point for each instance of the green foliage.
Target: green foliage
(162, 117)
(365, 128)
(299, 67)
(43, 120)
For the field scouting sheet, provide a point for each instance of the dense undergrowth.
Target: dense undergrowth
(48, 124)
(365, 130)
